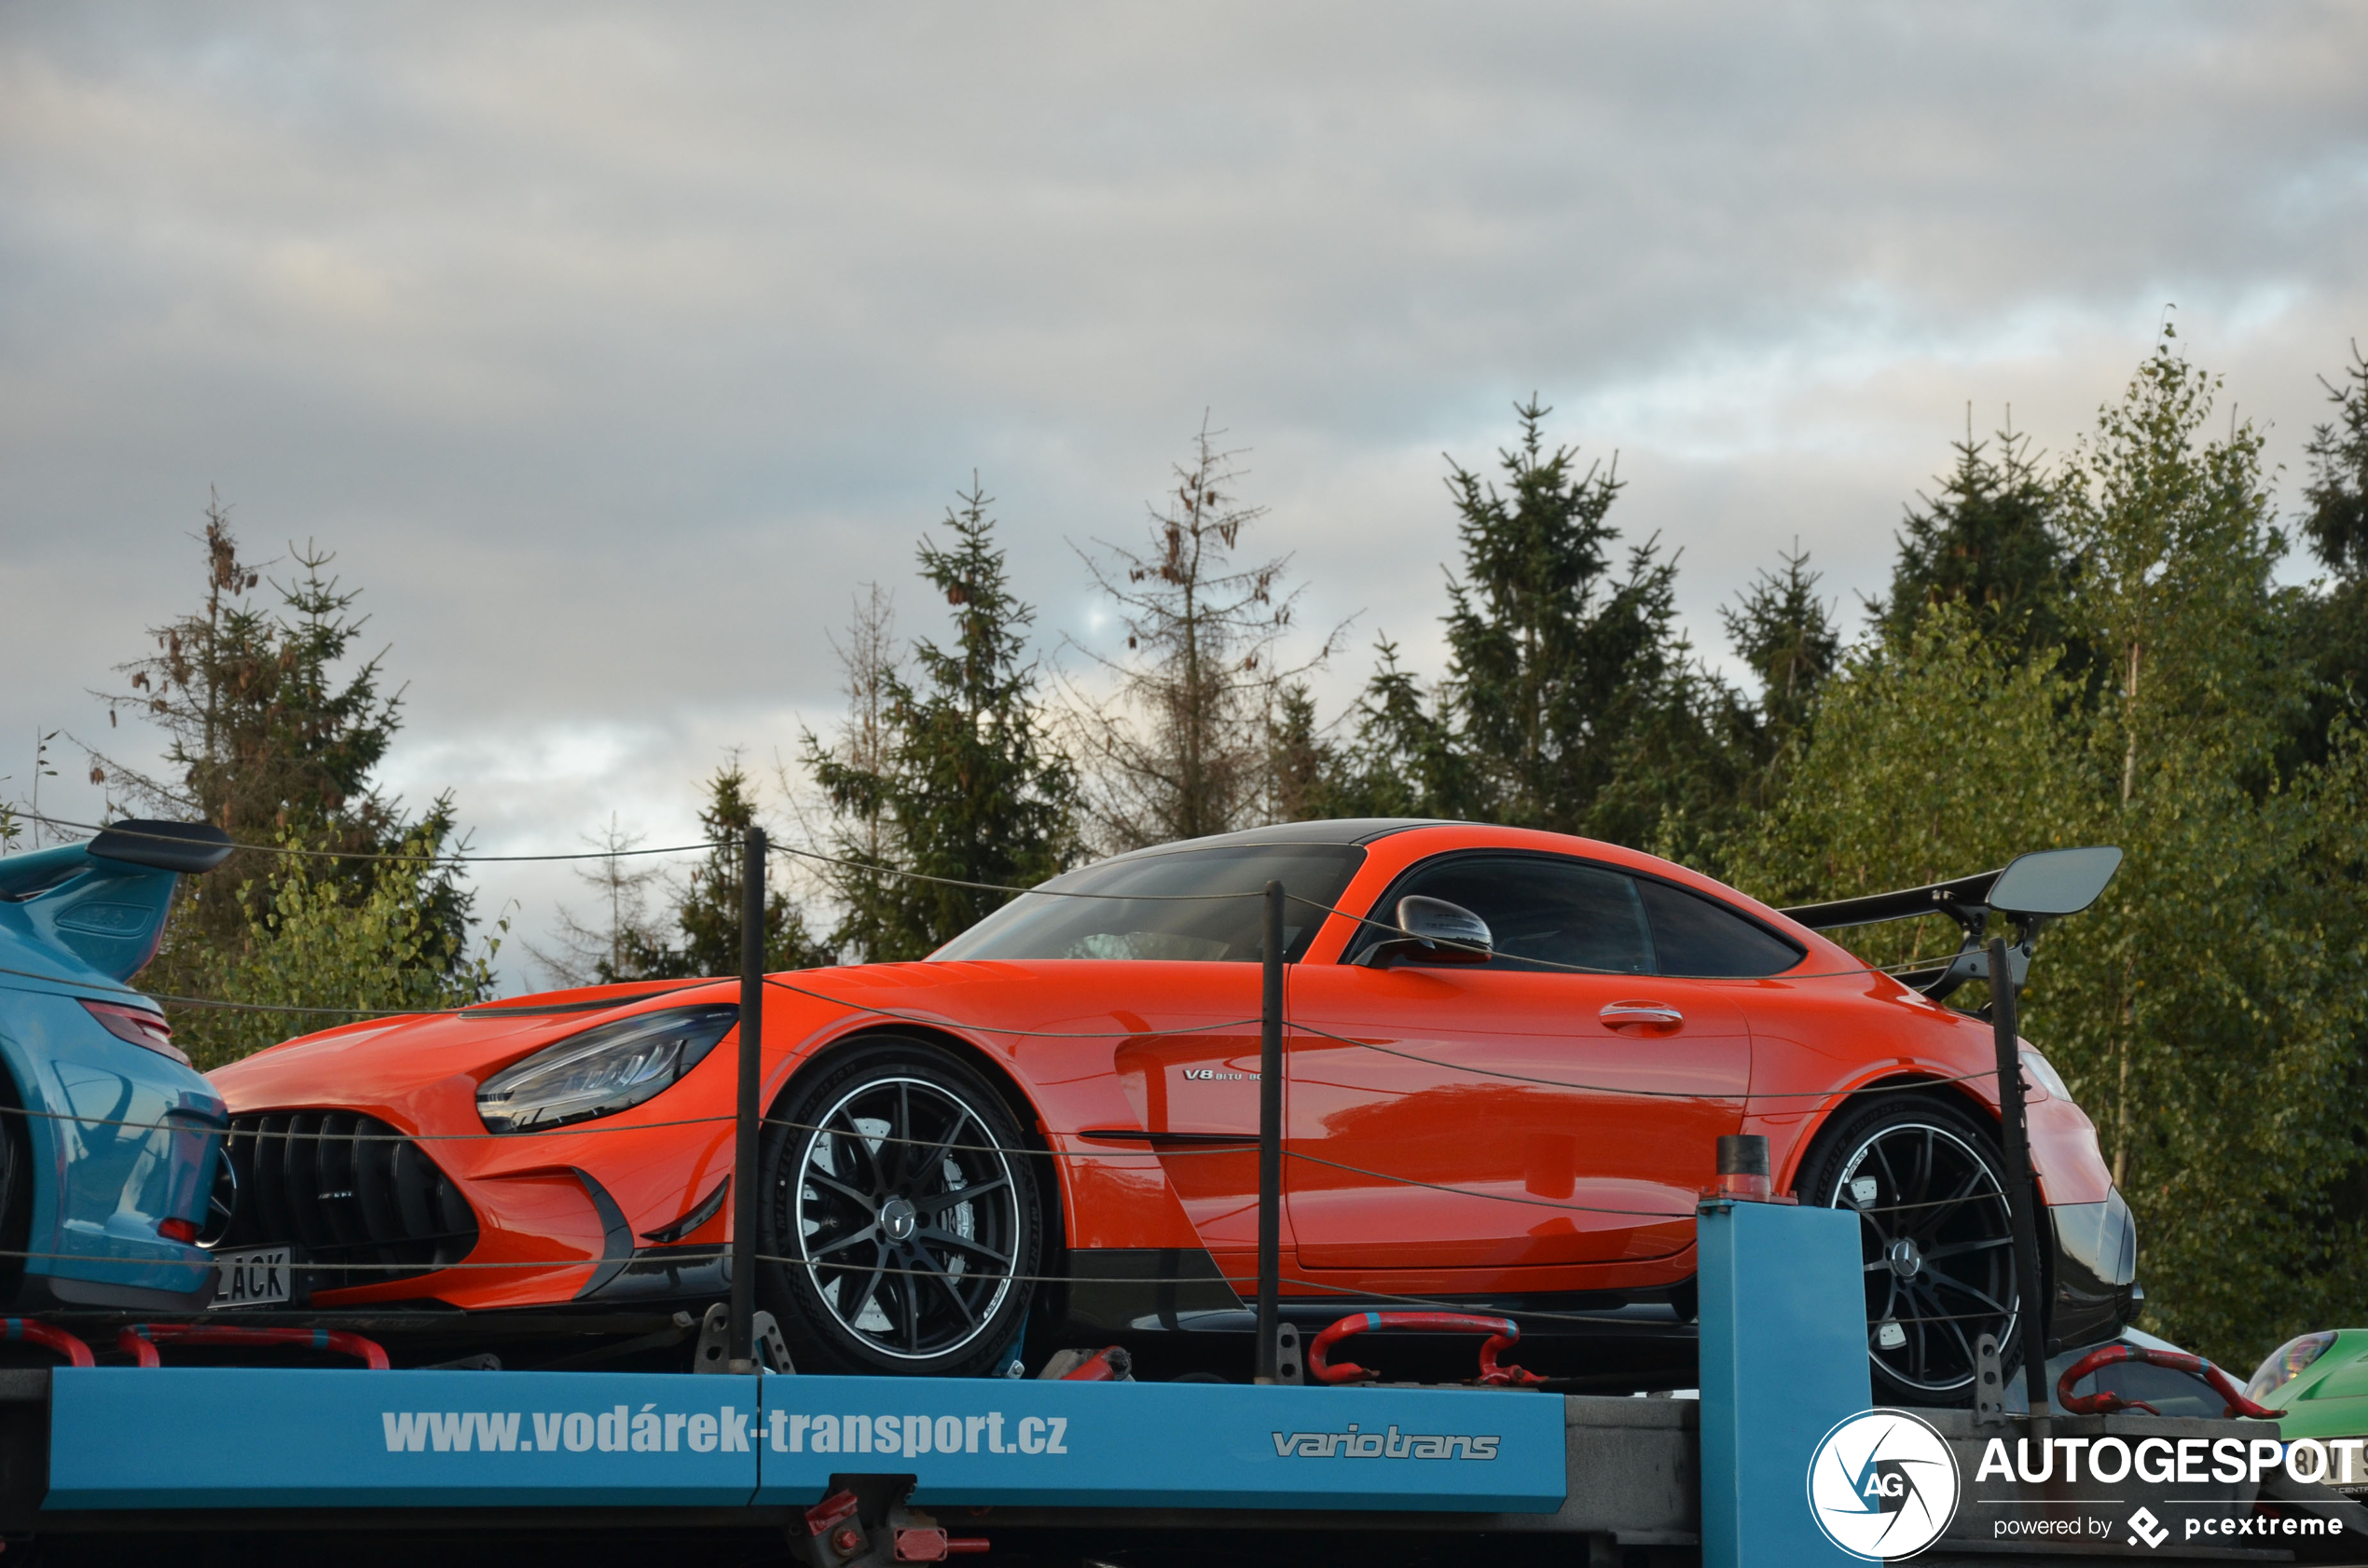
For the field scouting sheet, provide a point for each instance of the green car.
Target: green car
(2318, 1384)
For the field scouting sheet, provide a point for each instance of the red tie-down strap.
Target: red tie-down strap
(37, 1333)
(1502, 1333)
(141, 1339)
(2106, 1402)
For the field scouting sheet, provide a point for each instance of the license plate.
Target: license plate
(259, 1278)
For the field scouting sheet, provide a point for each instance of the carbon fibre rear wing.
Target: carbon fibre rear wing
(2029, 890)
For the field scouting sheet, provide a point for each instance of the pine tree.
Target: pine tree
(1403, 760)
(2335, 623)
(1571, 702)
(1300, 762)
(273, 732)
(1993, 540)
(859, 834)
(1786, 634)
(969, 785)
(707, 916)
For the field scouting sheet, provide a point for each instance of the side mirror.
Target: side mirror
(1436, 930)
(2054, 882)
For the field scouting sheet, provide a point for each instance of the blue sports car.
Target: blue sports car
(110, 1142)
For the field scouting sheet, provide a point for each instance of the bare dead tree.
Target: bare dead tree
(584, 953)
(1182, 744)
(862, 832)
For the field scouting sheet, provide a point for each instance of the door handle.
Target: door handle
(1650, 1014)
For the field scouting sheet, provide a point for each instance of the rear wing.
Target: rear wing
(2029, 890)
(104, 901)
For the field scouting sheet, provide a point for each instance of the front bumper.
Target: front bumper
(2093, 1272)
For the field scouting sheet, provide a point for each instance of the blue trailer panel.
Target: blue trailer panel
(339, 1438)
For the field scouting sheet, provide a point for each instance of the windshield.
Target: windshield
(1137, 924)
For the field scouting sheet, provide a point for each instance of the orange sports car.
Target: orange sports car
(1049, 1124)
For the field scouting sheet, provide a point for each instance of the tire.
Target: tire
(1935, 1235)
(15, 1191)
(859, 1155)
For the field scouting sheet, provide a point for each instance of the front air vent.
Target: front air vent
(359, 1201)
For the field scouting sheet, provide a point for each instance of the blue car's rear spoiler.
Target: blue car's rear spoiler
(104, 900)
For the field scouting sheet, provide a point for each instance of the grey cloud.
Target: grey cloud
(611, 346)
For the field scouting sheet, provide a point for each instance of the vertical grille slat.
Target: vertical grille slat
(346, 1188)
(411, 1192)
(374, 1185)
(269, 1153)
(300, 1157)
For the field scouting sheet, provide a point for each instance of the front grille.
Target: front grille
(358, 1201)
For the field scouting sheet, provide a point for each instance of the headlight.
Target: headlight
(2286, 1363)
(603, 1070)
(2044, 1071)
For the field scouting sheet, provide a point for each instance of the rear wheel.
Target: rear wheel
(1928, 1185)
(898, 1207)
(15, 1191)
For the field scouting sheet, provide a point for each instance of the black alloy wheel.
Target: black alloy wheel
(1928, 1185)
(900, 1222)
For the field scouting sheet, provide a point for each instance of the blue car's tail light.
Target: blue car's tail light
(138, 1025)
(603, 1070)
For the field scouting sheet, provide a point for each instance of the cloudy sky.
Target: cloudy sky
(611, 348)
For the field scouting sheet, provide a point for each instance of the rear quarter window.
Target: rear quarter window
(1696, 935)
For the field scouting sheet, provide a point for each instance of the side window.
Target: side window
(1553, 914)
(1692, 935)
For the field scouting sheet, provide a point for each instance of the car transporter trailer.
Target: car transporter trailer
(854, 1472)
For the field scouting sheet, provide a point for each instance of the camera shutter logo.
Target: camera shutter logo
(1883, 1485)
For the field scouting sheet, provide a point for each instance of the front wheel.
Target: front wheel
(1938, 1250)
(898, 1222)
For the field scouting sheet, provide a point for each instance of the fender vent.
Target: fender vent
(360, 1202)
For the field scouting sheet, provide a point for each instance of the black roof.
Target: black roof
(1344, 829)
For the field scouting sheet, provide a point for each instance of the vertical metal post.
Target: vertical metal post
(2022, 1191)
(1270, 1137)
(740, 1351)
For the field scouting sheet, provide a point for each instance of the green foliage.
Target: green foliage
(708, 914)
(2209, 1012)
(1934, 757)
(965, 784)
(310, 941)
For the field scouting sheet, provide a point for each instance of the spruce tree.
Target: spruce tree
(1570, 700)
(2335, 623)
(971, 786)
(1991, 540)
(707, 917)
